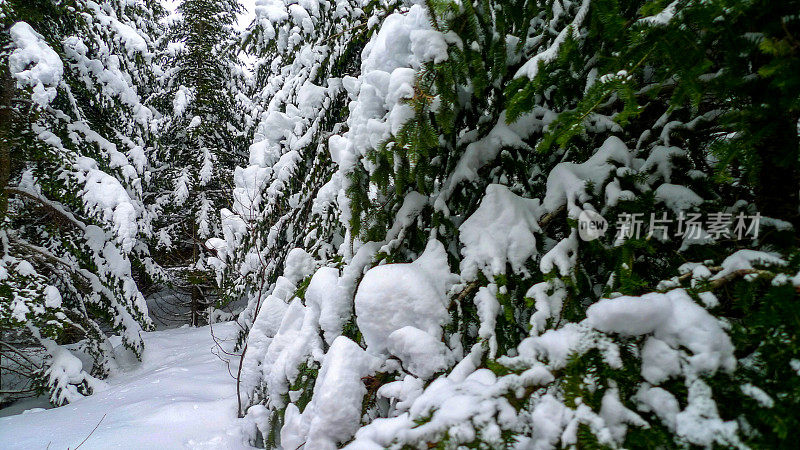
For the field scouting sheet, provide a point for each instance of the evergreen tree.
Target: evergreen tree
(304, 54)
(74, 134)
(283, 199)
(478, 137)
(201, 140)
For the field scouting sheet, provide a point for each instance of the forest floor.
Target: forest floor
(181, 395)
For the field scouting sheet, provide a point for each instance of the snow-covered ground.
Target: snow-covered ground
(179, 396)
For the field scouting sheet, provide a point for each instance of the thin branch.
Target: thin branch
(547, 218)
(23, 391)
(721, 281)
(47, 203)
(22, 374)
(19, 352)
(466, 291)
(218, 344)
(90, 434)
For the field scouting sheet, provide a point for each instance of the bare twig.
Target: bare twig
(714, 284)
(90, 434)
(217, 343)
(19, 352)
(547, 218)
(466, 291)
(22, 391)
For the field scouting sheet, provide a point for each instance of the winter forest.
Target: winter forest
(399, 224)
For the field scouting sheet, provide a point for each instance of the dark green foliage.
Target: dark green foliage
(730, 60)
(765, 323)
(715, 80)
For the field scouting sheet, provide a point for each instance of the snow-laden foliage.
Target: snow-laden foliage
(74, 135)
(303, 50)
(201, 138)
(407, 232)
(481, 224)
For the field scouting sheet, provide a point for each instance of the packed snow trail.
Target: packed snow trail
(179, 396)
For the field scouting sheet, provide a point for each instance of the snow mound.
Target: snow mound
(673, 318)
(744, 260)
(501, 231)
(106, 195)
(334, 305)
(421, 354)
(334, 413)
(34, 64)
(394, 296)
(567, 182)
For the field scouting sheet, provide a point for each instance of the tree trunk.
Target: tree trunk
(195, 306)
(6, 117)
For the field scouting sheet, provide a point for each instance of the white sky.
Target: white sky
(248, 14)
(244, 19)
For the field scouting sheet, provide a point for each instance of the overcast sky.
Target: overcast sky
(249, 13)
(244, 19)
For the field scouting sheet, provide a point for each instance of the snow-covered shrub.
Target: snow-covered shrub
(443, 257)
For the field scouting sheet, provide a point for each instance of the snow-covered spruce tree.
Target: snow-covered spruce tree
(463, 308)
(304, 50)
(201, 142)
(73, 227)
